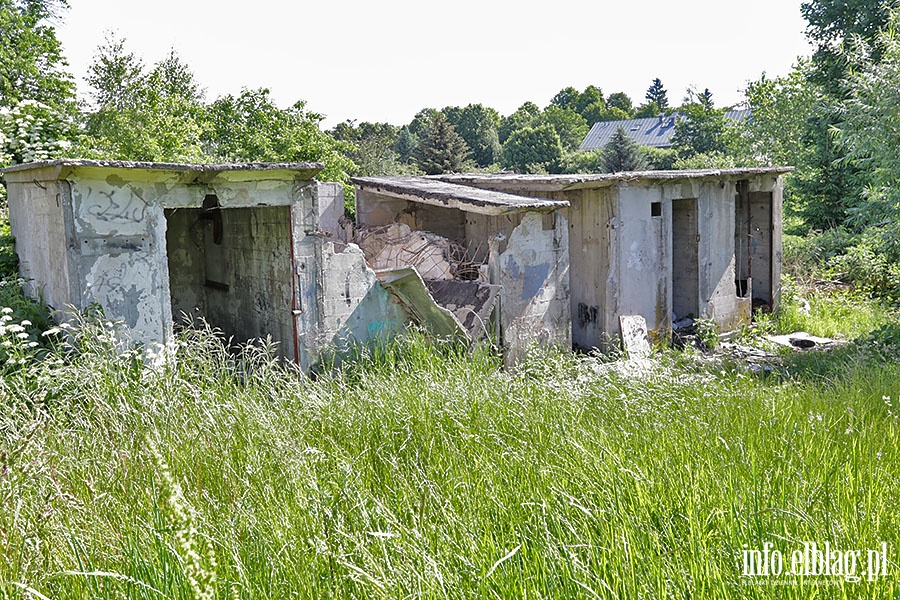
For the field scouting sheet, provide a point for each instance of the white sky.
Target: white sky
(385, 60)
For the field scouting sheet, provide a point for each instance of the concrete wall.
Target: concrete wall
(534, 274)
(641, 251)
(377, 210)
(119, 247)
(186, 253)
(37, 222)
(355, 309)
(719, 299)
(330, 208)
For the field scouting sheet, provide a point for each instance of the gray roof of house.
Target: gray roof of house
(656, 132)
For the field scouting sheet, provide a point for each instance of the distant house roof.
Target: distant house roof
(656, 132)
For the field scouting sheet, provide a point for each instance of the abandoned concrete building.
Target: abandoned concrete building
(263, 250)
(665, 245)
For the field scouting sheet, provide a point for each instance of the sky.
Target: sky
(383, 61)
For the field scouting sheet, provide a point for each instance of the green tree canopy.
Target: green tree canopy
(592, 96)
(524, 116)
(568, 124)
(250, 127)
(700, 128)
(157, 115)
(871, 128)
(622, 101)
(533, 150)
(405, 145)
(32, 66)
(477, 125)
(566, 98)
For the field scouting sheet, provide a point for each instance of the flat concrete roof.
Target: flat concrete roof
(436, 192)
(558, 183)
(187, 172)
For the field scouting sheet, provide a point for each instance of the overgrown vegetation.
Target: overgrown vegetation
(427, 471)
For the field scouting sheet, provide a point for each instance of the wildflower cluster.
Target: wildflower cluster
(32, 131)
(18, 340)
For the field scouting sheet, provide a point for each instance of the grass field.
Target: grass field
(431, 472)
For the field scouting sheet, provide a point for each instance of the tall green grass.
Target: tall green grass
(431, 472)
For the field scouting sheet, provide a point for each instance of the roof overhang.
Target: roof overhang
(154, 171)
(436, 192)
(561, 183)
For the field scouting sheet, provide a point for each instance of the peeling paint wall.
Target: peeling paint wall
(118, 237)
(534, 274)
(355, 308)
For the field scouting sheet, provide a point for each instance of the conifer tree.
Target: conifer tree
(441, 149)
(622, 154)
(656, 94)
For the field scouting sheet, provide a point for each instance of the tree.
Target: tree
(568, 124)
(781, 109)
(370, 146)
(421, 120)
(622, 101)
(156, 115)
(700, 128)
(870, 132)
(566, 98)
(37, 94)
(592, 96)
(477, 125)
(32, 66)
(622, 154)
(524, 116)
(249, 127)
(441, 149)
(533, 150)
(656, 94)
(834, 183)
(405, 145)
